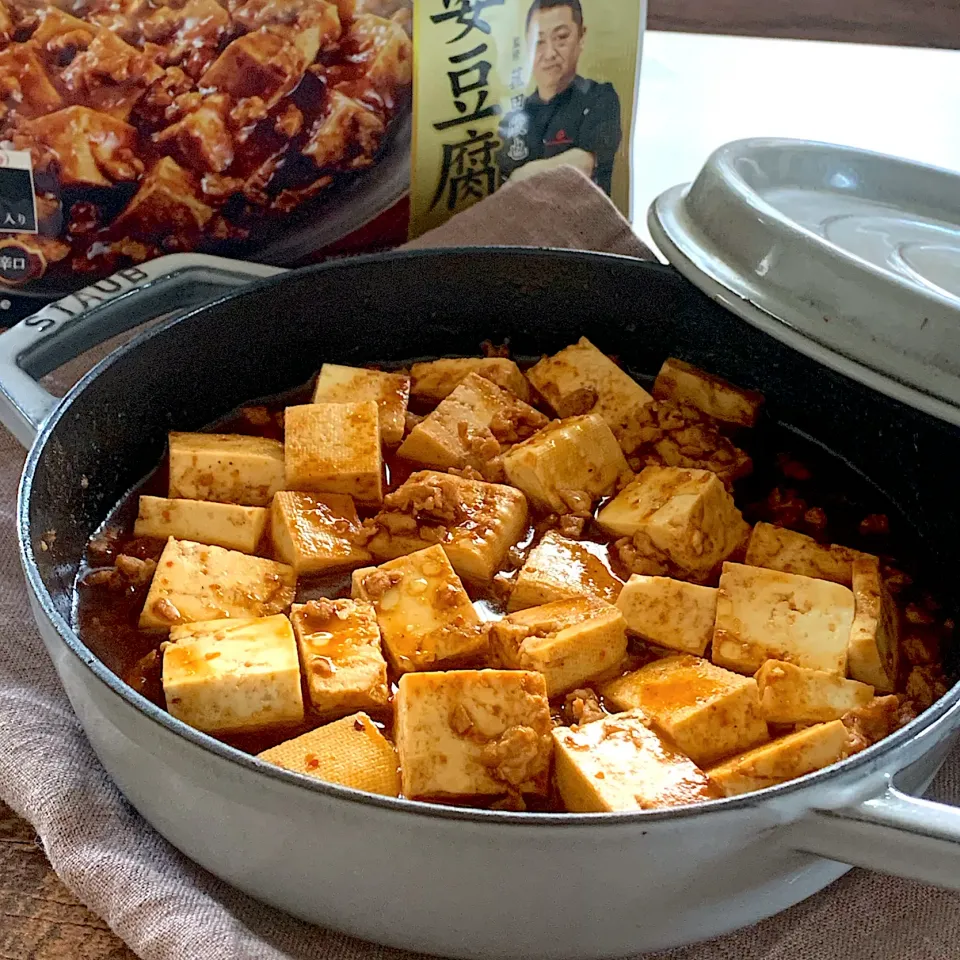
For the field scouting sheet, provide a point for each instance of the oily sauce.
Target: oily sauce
(793, 484)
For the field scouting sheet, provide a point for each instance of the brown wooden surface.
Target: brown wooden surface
(924, 23)
(39, 918)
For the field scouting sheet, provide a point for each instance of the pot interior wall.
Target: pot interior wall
(397, 307)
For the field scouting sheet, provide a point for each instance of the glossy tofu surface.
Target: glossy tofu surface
(317, 532)
(228, 468)
(334, 448)
(670, 613)
(683, 382)
(620, 763)
(785, 759)
(874, 651)
(390, 391)
(231, 676)
(791, 694)
(343, 666)
(709, 713)
(581, 379)
(227, 525)
(767, 615)
(195, 582)
(683, 522)
(475, 522)
(350, 751)
(559, 568)
(425, 616)
(791, 552)
(437, 379)
(568, 641)
(473, 733)
(568, 463)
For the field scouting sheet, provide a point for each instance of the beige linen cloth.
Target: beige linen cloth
(166, 908)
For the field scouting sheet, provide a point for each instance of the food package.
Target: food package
(288, 131)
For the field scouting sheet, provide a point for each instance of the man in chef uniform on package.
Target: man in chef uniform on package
(568, 119)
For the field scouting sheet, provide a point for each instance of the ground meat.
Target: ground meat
(378, 582)
(128, 574)
(491, 350)
(875, 523)
(102, 548)
(480, 444)
(134, 570)
(815, 519)
(926, 684)
(872, 722)
(411, 420)
(465, 473)
(793, 469)
(577, 502)
(447, 596)
(571, 526)
(516, 756)
(582, 706)
(516, 423)
(921, 646)
(639, 555)
(664, 433)
(431, 498)
(257, 416)
(783, 507)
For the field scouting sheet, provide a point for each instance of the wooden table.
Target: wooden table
(697, 92)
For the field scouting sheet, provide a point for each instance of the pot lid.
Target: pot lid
(850, 257)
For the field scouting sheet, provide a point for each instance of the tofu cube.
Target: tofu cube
(426, 618)
(581, 379)
(684, 383)
(767, 615)
(709, 713)
(620, 763)
(196, 582)
(233, 676)
(436, 379)
(334, 448)
(473, 733)
(476, 523)
(317, 532)
(559, 569)
(780, 549)
(260, 61)
(351, 752)
(471, 426)
(37, 94)
(670, 613)
(228, 468)
(339, 643)
(683, 522)
(874, 651)
(792, 694)
(577, 456)
(226, 525)
(390, 391)
(568, 641)
(784, 759)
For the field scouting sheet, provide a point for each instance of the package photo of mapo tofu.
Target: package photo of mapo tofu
(288, 131)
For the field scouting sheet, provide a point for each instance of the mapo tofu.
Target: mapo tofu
(156, 128)
(493, 584)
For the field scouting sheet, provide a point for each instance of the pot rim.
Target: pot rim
(948, 704)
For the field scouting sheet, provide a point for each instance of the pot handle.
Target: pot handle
(62, 330)
(892, 833)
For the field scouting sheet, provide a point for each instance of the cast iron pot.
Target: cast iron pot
(450, 881)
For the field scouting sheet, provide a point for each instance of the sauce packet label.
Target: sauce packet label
(290, 131)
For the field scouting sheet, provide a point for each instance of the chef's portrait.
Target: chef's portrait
(568, 118)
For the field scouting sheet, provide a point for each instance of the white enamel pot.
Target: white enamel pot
(449, 881)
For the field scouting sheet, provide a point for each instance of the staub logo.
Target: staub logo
(100, 292)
